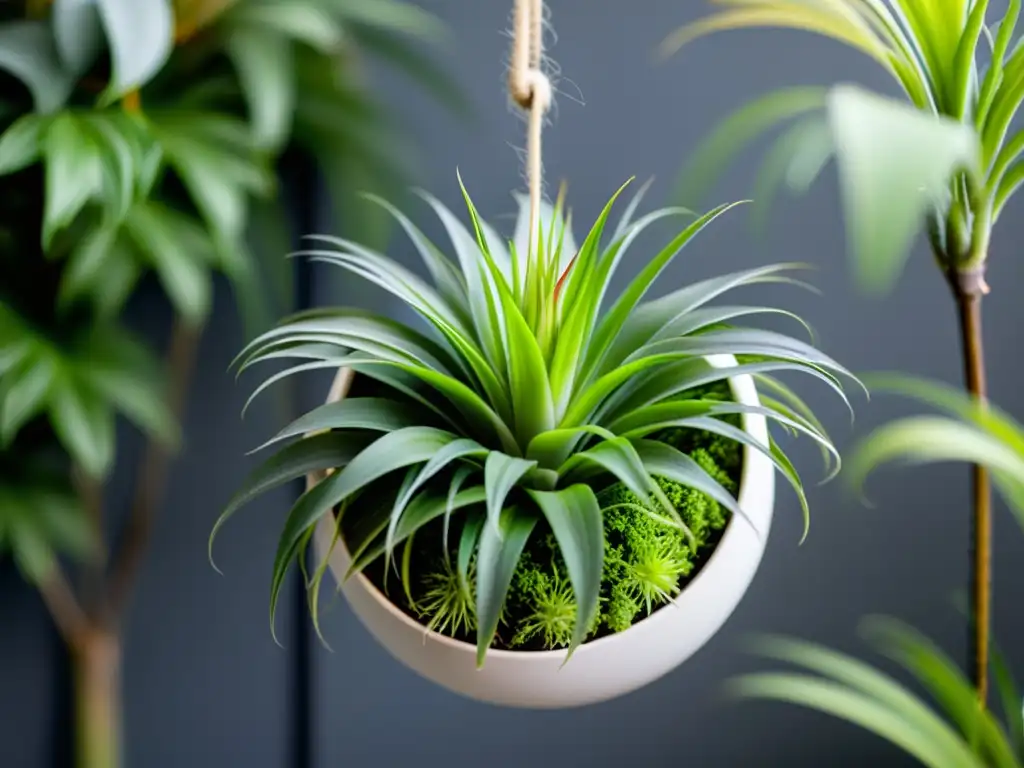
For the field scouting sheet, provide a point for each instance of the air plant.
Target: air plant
(520, 400)
(945, 158)
(961, 734)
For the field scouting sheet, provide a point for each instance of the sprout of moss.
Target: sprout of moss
(655, 571)
(553, 607)
(647, 560)
(446, 603)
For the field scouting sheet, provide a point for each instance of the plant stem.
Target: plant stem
(968, 288)
(152, 478)
(64, 608)
(96, 659)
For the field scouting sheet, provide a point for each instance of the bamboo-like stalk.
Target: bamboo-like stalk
(968, 290)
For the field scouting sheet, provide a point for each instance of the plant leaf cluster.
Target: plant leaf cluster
(139, 142)
(955, 731)
(946, 156)
(517, 397)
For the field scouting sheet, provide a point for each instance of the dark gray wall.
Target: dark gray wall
(207, 687)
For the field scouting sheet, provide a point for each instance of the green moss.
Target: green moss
(647, 562)
(552, 606)
(447, 604)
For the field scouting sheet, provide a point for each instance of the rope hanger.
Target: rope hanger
(530, 88)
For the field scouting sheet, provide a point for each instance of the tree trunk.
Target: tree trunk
(97, 678)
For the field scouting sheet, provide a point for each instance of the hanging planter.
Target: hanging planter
(535, 500)
(600, 669)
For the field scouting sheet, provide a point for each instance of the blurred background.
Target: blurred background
(205, 684)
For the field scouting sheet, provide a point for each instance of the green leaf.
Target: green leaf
(265, 69)
(926, 439)
(393, 16)
(894, 162)
(140, 34)
(1010, 700)
(861, 710)
(303, 20)
(85, 425)
(618, 457)
(77, 32)
(501, 474)
(73, 172)
(127, 381)
(946, 683)
(25, 394)
(117, 162)
(715, 153)
(19, 144)
(59, 518)
(794, 160)
(32, 553)
(87, 264)
(452, 453)
(370, 413)
(964, 69)
(575, 518)
(854, 689)
(661, 460)
(620, 312)
(497, 556)
(329, 450)
(170, 241)
(395, 450)
(28, 52)
(422, 510)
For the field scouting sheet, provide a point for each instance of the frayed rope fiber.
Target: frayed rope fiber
(531, 89)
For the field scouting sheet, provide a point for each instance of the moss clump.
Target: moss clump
(647, 561)
(447, 602)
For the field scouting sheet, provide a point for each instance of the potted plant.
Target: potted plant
(960, 733)
(949, 160)
(528, 479)
(577, 498)
(137, 137)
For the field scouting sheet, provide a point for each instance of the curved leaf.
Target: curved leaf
(893, 162)
(329, 450)
(575, 518)
(501, 474)
(395, 450)
(140, 34)
(28, 52)
(497, 556)
(369, 413)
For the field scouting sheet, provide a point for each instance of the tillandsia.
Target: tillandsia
(520, 400)
(946, 159)
(950, 730)
(945, 156)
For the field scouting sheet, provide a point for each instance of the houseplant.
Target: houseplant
(961, 733)
(136, 138)
(949, 159)
(521, 461)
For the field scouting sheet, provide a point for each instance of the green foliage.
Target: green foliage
(949, 157)
(524, 398)
(951, 730)
(142, 140)
(447, 601)
(39, 515)
(546, 593)
(647, 561)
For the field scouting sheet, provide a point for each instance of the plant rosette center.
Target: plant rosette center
(540, 460)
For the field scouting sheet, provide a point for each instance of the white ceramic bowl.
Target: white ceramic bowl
(609, 666)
